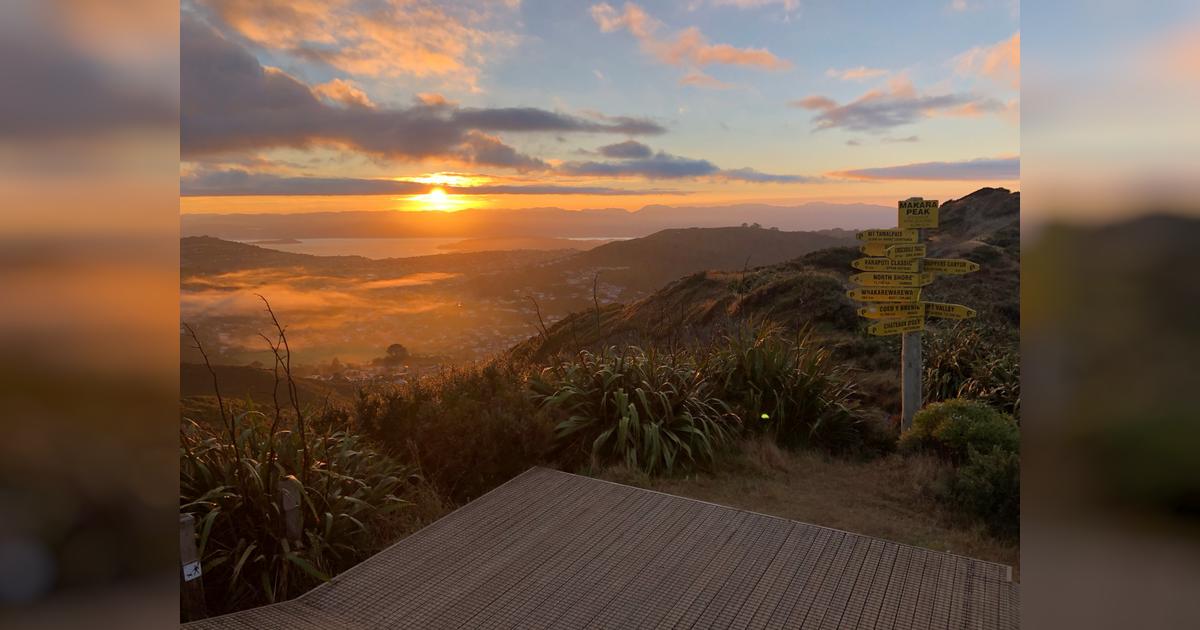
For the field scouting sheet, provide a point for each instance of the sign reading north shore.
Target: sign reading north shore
(884, 264)
(884, 279)
(885, 294)
(948, 311)
(905, 252)
(897, 326)
(918, 213)
(950, 265)
(888, 236)
(892, 311)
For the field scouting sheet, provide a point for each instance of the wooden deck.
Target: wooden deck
(554, 550)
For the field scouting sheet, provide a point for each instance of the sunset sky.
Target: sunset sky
(408, 105)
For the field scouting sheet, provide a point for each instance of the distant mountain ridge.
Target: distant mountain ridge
(532, 222)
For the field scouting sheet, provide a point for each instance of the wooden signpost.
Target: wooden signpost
(896, 270)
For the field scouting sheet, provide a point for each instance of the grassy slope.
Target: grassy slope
(882, 497)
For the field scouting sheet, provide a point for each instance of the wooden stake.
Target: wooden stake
(289, 502)
(191, 587)
(910, 365)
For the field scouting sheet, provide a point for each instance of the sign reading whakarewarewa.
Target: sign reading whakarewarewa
(896, 269)
(884, 294)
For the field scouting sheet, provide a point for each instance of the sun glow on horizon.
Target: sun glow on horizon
(437, 200)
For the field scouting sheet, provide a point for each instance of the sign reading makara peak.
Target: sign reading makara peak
(896, 269)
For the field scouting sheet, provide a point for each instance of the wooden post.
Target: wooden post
(289, 503)
(911, 365)
(191, 587)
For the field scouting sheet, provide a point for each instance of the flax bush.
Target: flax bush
(654, 412)
(787, 387)
(351, 498)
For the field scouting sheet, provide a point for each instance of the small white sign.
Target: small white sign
(191, 571)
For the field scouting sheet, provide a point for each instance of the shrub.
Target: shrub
(964, 362)
(988, 487)
(653, 412)
(953, 427)
(470, 429)
(350, 495)
(786, 387)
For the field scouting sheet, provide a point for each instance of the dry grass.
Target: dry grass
(888, 497)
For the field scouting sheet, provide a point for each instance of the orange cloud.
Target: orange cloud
(342, 92)
(855, 74)
(696, 78)
(393, 38)
(688, 48)
(999, 62)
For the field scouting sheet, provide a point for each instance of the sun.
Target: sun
(438, 200)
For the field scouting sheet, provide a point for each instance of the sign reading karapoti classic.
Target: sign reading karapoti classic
(884, 264)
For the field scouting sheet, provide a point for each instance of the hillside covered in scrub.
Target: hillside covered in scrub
(810, 290)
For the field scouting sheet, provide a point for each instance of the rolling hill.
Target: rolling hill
(806, 289)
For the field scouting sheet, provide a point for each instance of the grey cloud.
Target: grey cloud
(877, 111)
(751, 175)
(232, 103)
(659, 166)
(891, 140)
(666, 166)
(977, 169)
(626, 150)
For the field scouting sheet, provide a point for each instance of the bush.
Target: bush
(953, 427)
(787, 388)
(653, 412)
(988, 487)
(964, 362)
(350, 495)
(470, 429)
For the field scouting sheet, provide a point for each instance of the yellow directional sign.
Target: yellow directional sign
(874, 249)
(884, 264)
(948, 311)
(888, 236)
(918, 213)
(891, 311)
(905, 252)
(897, 326)
(885, 279)
(950, 265)
(885, 294)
